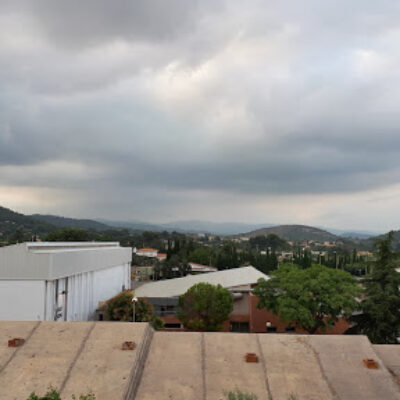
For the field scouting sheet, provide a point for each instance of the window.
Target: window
(239, 327)
(172, 326)
(289, 329)
(271, 329)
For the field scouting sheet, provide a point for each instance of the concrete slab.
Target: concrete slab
(292, 368)
(225, 366)
(77, 357)
(102, 367)
(173, 369)
(390, 355)
(43, 360)
(342, 362)
(10, 330)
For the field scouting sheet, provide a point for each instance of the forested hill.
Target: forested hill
(295, 233)
(396, 239)
(11, 222)
(63, 222)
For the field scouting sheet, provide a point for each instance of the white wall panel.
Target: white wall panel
(22, 300)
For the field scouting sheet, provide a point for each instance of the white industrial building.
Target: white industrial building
(54, 281)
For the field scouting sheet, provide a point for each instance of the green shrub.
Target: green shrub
(239, 395)
(89, 396)
(53, 394)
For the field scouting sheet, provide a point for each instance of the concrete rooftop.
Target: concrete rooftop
(74, 357)
(78, 357)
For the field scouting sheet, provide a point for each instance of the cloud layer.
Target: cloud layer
(214, 110)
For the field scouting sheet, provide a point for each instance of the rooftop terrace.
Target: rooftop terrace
(77, 357)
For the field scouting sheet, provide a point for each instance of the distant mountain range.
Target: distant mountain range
(352, 233)
(190, 226)
(11, 221)
(63, 222)
(295, 233)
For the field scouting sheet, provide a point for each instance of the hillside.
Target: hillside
(63, 222)
(216, 228)
(11, 222)
(396, 240)
(295, 233)
(190, 226)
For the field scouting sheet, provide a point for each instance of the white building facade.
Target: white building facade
(147, 252)
(53, 281)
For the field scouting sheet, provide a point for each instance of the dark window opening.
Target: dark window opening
(289, 329)
(271, 329)
(172, 326)
(239, 327)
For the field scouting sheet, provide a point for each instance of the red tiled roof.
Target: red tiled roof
(147, 249)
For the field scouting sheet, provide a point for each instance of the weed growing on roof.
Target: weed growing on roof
(53, 394)
(239, 395)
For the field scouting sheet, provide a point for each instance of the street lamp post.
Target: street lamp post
(134, 301)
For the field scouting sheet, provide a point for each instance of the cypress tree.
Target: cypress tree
(380, 318)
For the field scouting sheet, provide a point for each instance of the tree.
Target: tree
(204, 307)
(310, 298)
(120, 308)
(262, 242)
(202, 255)
(18, 236)
(380, 318)
(227, 257)
(68, 235)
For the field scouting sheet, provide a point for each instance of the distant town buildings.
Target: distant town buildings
(146, 252)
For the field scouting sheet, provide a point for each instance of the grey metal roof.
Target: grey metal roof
(53, 260)
(228, 278)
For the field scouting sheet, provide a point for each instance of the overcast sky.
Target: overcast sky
(159, 110)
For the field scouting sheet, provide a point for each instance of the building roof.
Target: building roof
(73, 357)
(196, 266)
(228, 278)
(49, 247)
(147, 249)
(53, 260)
(194, 365)
(78, 357)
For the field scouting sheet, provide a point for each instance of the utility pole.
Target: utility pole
(134, 301)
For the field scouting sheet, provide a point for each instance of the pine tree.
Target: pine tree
(380, 318)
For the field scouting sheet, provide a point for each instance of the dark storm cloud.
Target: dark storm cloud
(80, 23)
(155, 98)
